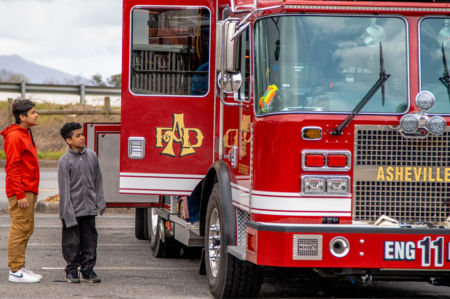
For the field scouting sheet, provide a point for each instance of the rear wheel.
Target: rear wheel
(228, 276)
(140, 224)
(161, 243)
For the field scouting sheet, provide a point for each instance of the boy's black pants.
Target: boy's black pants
(79, 244)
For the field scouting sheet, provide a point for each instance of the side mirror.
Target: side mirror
(226, 44)
(229, 82)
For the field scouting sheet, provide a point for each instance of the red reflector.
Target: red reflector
(315, 160)
(250, 242)
(337, 160)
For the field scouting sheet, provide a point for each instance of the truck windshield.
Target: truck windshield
(435, 32)
(328, 64)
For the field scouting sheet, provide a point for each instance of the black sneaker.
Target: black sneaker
(73, 277)
(89, 276)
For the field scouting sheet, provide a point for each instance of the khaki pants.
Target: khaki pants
(22, 226)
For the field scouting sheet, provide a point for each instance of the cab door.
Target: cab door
(167, 142)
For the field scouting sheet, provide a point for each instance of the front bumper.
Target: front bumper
(369, 246)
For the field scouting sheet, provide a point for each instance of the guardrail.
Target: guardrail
(107, 111)
(81, 90)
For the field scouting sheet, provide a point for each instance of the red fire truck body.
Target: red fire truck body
(283, 180)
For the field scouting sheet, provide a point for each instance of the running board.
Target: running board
(186, 233)
(238, 252)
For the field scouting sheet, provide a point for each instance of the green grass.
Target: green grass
(50, 155)
(41, 155)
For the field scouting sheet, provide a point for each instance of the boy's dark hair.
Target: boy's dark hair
(67, 130)
(21, 107)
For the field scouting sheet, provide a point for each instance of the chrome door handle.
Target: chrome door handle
(232, 156)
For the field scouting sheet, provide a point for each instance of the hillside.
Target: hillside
(38, 73)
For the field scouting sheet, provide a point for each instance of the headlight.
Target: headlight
(425, 100)
(338, 186)
(437, 125)
(409, 123)
(314, 186)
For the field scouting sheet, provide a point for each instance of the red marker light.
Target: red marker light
(314, 160)
(337, 161)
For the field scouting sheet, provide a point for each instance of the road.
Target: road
(48, 185)
(128, 269)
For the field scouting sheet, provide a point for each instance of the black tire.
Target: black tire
(140, 223)
(162, 246)
(233, 278)
(146, 233)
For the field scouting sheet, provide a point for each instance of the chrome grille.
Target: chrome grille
(403, 201)
(307, 247)
(417, 186)
(242, 218)
(385, 147)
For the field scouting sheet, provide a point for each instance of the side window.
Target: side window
(243, 64)
(170, 51)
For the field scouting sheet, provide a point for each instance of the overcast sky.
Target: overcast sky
(79, 37)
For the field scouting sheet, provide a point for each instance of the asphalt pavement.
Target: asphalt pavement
(128, 269)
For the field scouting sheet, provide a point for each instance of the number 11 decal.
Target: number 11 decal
(438, 247)
(426, 245)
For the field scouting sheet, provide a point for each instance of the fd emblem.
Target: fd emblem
(178, 133)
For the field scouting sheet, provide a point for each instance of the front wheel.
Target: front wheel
(228, 276)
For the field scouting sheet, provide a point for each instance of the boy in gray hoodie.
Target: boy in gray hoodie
(81, 196)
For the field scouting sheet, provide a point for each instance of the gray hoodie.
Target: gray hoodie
(80, 186)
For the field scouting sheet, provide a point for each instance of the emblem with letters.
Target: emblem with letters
(178, 133)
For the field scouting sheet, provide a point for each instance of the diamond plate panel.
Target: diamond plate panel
(174, 204)
(242, 218)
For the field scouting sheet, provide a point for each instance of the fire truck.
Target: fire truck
(300, 134)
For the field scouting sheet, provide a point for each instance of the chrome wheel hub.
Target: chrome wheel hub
(154, 221)
(214, 242)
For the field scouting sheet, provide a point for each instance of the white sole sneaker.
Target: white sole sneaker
(22, 276)
(29, 271)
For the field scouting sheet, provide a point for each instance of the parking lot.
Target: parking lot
(128, 269)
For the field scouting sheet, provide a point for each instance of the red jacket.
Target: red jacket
(22, 167)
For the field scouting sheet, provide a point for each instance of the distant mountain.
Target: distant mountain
(37, 73)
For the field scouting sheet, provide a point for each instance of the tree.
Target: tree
(97, 80)
(8, 76)
(115, 80)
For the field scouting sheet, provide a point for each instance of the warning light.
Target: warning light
(337, 160)
(312, 134)
(315, 160)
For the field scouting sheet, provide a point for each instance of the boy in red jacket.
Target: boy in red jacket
(22, 183)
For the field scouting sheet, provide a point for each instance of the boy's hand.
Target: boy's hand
(23, 203)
